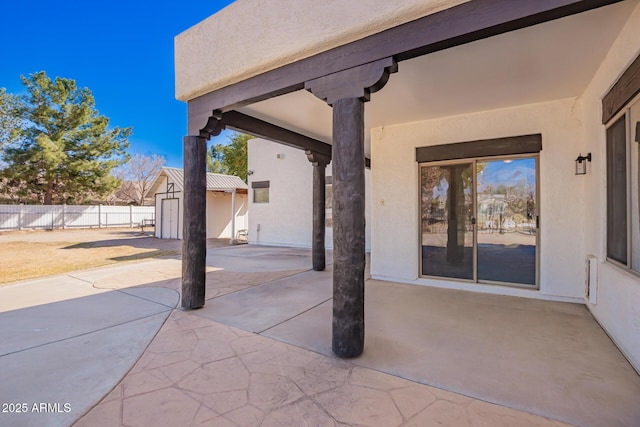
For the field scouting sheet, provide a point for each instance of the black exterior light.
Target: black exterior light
(581, 164)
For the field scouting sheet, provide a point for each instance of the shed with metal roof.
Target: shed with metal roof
(226, 204)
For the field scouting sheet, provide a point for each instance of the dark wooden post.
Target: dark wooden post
(194, 231)
(319, 163)
(347, 91)
(348, 227)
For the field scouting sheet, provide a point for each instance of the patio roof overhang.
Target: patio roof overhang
(456, 61)
(472, 65)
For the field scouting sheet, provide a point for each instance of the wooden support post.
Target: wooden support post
(194, 233)
(319, 163)
(348, 227)
(347, 91)
(233, 217)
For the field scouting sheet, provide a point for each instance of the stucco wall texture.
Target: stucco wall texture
(250, 37)
(395, 253)
(287, 219)
(617, 306)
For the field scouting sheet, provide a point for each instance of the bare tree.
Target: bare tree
(137, 175)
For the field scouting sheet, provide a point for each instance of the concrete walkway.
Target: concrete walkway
(81, 344)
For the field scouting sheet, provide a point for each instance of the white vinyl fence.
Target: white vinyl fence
(19, 217)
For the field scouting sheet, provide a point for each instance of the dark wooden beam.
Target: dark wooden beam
(625, 89)
(458, 25)
(262, 129)
(256, 127)
(525, 144)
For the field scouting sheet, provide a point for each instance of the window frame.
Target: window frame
(629, 127)
(263, 188)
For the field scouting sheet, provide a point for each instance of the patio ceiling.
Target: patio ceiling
(548, 61)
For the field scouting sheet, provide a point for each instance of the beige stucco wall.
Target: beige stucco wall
(287, 219)
(249, 37)
(219, 214)
(395, 184)
(617, 305)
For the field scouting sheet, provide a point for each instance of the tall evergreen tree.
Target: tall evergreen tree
(64, 151)
(9, 120)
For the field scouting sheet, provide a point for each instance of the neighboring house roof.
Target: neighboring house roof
(215, 181)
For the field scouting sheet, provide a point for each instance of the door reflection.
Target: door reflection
(447, 230)
(506, 211)
(503, 234)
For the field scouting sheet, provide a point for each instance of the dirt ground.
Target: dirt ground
(30, 254)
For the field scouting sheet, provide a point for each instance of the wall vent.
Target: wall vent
(591, 279)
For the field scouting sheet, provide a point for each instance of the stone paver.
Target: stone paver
(199, 372)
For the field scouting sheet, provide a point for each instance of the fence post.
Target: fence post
(64, 225)
(100, 216)
(53, 214)
(20, 213)
(130, 216)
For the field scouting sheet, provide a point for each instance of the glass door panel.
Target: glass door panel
(447, 213)
(634, 119)
(507, 220)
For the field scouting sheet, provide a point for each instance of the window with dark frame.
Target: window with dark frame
(623, 188)
(621, 115)
(260, 191)
(617, 191)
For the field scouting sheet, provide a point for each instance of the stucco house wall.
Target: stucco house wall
(617, 306)
(395, 249)
(287, 219)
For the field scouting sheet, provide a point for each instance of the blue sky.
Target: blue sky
(122, 50)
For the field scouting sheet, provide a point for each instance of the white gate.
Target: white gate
(170, 218)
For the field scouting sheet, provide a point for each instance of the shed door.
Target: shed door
(170, 219)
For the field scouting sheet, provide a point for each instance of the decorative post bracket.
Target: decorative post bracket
(358, 82)
(214, 125)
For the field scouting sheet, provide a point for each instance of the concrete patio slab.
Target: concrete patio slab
(494, 361)
(65, 343)
(247, 258)
(538, 356)
(36, 326)
(43, 291)
(200, 372)
(262, 307)
(68, 376)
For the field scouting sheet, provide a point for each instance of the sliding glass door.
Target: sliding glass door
(480, 221)
(447, 213)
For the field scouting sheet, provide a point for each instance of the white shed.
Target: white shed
(226, 204)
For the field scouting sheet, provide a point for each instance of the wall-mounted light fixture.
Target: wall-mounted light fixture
(280, 156)
(249, 172)
(581, 163)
